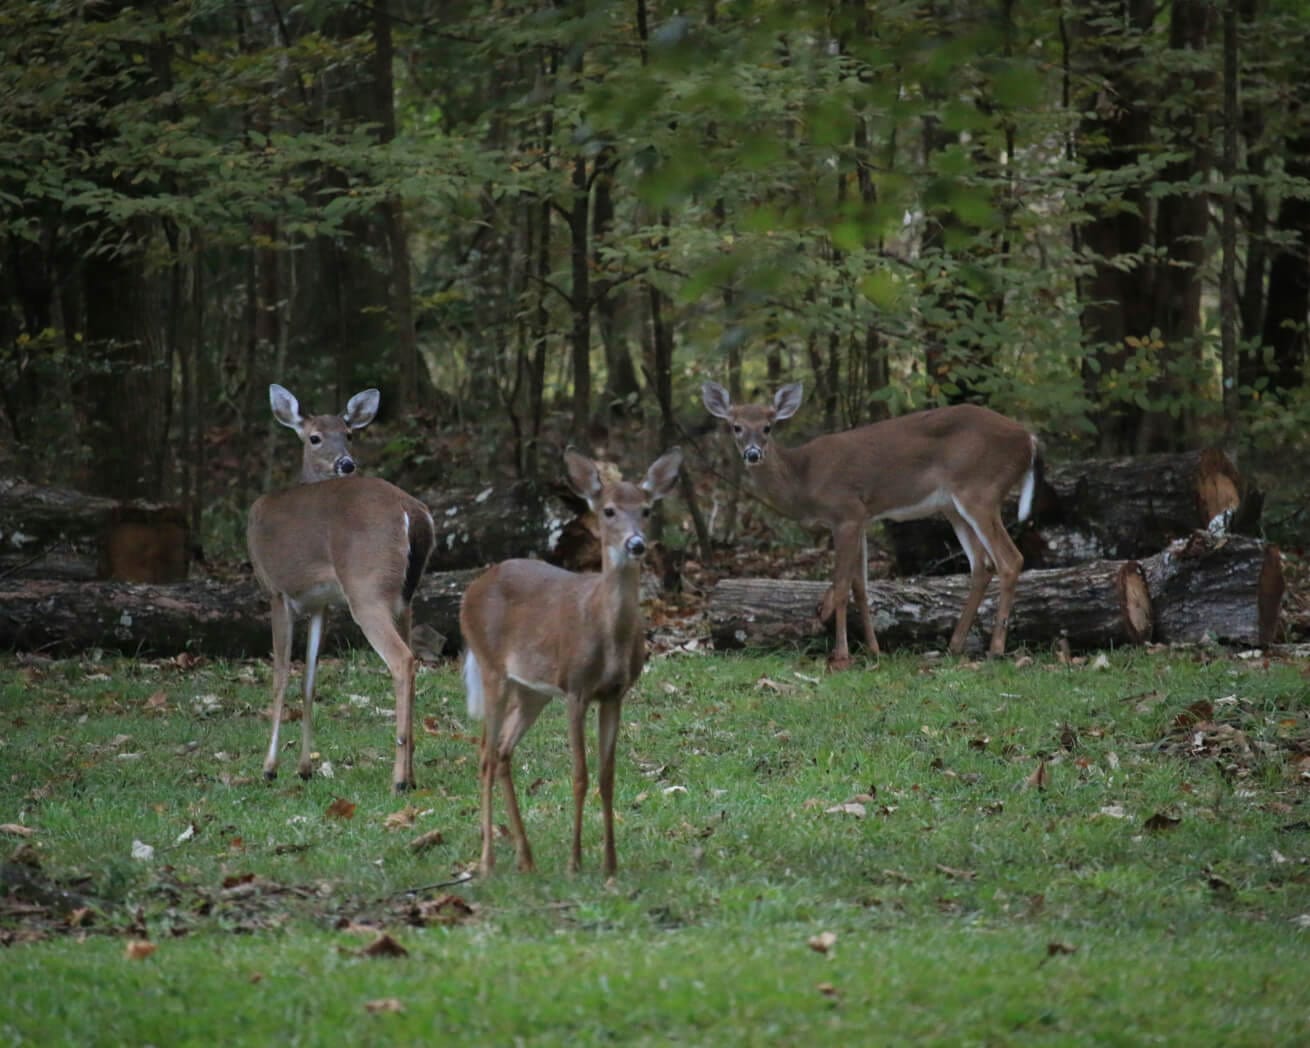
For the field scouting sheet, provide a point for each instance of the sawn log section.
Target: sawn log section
(1201, 588)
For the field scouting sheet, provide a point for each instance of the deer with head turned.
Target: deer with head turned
(326, 437)
(958, 461)
(339, 539)
(534, 632)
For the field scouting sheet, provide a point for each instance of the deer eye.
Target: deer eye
(350, 435)
(315, 439)
(767, 428)
(736, 428)
(645, 511)
(609, 511)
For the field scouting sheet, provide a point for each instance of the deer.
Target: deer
(534, 632)
(339, 539)
(326, 438)
(960, 461)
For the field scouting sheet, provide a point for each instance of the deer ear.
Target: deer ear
(716, 399)
(362, 409)
(787, 401)
(584, 475)
(662, 474)
(286, 408)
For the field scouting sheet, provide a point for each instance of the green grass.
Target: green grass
(968, 906)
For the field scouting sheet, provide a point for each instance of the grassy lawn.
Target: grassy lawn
(925, 850)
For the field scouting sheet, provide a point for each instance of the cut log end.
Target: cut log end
(1135, 603)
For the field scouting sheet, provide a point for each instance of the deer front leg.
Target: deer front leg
(846, 539)
(578, 744)
(862, 595)
(607, 733)
(282, 624)
(1009, 563)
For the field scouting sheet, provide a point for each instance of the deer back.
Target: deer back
(356, 537)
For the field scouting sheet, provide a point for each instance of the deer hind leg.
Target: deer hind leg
(282, 625)
(493, 714)
(980, 574)
(607, 734)
(525, 707)
(313, 639)
(379, 626)
(846, 539)
(1008, 560)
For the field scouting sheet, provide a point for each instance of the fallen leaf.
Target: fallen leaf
(142, 852)
(445, 910)
(1057, 949)
(157, 703)
(139, 949)
(383, 1005)
(1196, 713)
(340, 808)
(426, 840)
(1039, 779)
(1113, 811)
(403, 819)
(823, 942)
(79, 917)
(828, 990)
(956, 875)
(849, 808)
(384, 946)
(14, 829)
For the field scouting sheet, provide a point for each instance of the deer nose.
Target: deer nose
(753, 455)
(636, 545)
(345, 466)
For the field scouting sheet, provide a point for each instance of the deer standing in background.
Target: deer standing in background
(357, 541)
(326, 437)
(534, 632)
(958, 461)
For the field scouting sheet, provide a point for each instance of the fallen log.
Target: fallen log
(1098, 605)
(50, 532)
(499, 521)
(1204, 588)
(1097, 509)
(1226, 589)
(224, 619)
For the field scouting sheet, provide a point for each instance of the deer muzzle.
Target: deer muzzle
(753, 455)
(344, 466)
(636, 546)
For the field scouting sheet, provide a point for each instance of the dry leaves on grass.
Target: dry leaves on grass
(403, 819)
(139, 949)
(1039, 779)
(383, 946)
(384, 1006)
(424, 841)
(445, 910)
(823, 942)
(340, 808)
(13, 829)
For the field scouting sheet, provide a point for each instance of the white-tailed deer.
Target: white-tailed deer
(534, 632)
(958, 461)
(326, 437)
(357, 541)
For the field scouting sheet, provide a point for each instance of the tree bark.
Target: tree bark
(1097, 605)
(61, 533)
(203, 617)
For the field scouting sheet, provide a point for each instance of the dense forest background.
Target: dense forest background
(549, 221)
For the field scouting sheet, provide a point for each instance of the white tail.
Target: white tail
(958, 461)
(357, 541)
(535, 631)
(326, 437)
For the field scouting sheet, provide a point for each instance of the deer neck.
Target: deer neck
(614, 599)
(778, 479)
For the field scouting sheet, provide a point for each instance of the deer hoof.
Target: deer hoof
(270, 775)
(305, 773)
(403, 787)
(837, 663)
